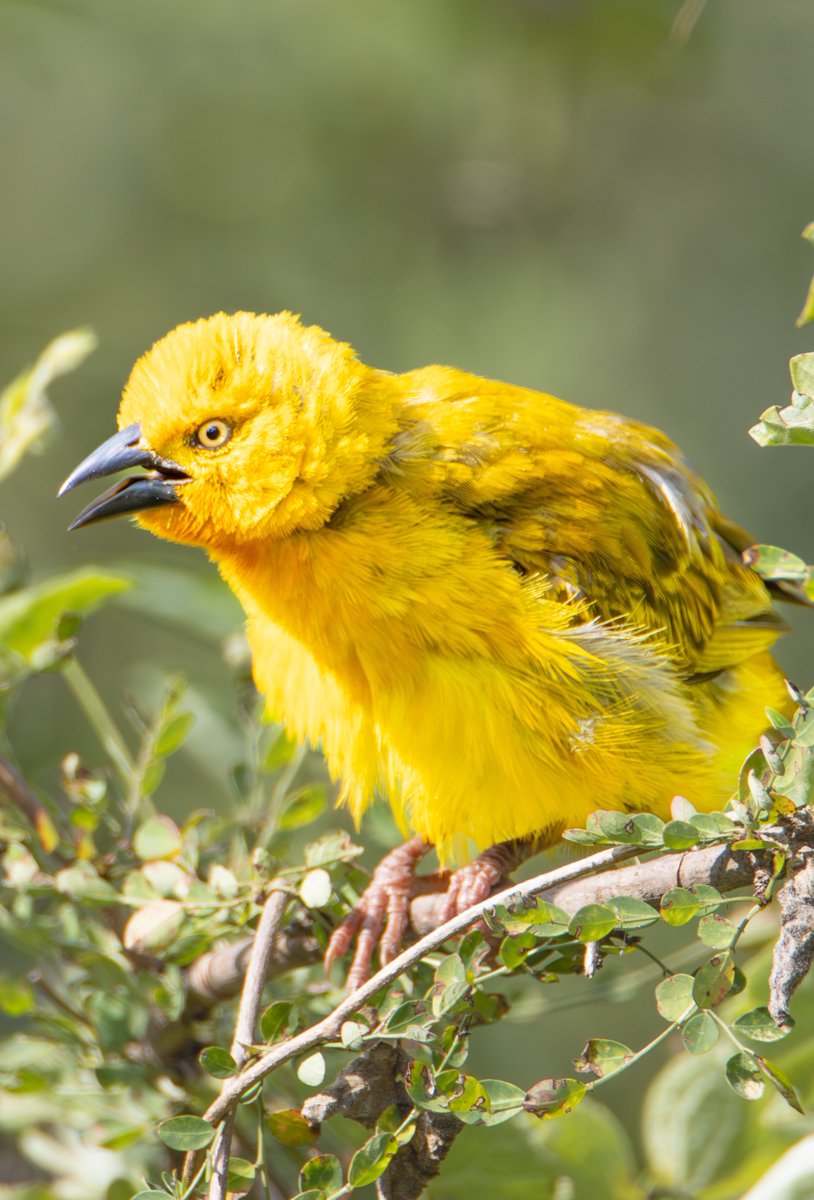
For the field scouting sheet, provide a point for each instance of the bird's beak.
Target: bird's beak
(130, 495)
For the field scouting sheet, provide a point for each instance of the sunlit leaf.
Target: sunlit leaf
(758, 1025)
(713, 981)
(602, 1057)
(311, 1070)
(554, 1097)
(674, 997)
(372, 1159)
(291, 1128)
(744, 1076)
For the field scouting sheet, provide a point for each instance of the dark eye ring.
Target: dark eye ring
(213, 434)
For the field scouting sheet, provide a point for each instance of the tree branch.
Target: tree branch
(248, 1011)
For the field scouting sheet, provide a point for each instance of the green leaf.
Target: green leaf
(505, 1100)
(323, 1172)
(371, 1160)
(311, 1070)
(602, 1057)
(275, 1020)
(240, 1175)
(155, 928)
(678, 906)
(405, 1020)
(30, 616)
(713, 981)
(26, 414)
(592, 922)
(630, 913)
(780, 1082)
(541, 918)
(279, 752)
(450, 986)
(157, 837)
(291, 1128)
(81, 882)
(674, 997)
(303, 808)
(794, 425)
(744, 1076)
(758, 1025)
(554, 1097)
(716, 931)
(700, 1033)
(801, 369)
(712, 825)
(151, 1195)
(514, 950)
(771, 563)
(174, 734)
(186, 1133)
(781, 724)
(16, 996)
(352, 1033)
(680, 835)
(218, 1062)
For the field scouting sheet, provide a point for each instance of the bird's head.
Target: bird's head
(249, 426)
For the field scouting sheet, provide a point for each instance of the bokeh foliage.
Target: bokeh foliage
(554, 193)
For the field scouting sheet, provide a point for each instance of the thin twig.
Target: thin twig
(327, 1029)
(248, 1011)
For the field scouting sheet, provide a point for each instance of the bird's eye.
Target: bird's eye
(213, 434)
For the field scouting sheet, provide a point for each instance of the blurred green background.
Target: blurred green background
(561, 193)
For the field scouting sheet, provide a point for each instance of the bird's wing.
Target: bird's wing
(604, 506)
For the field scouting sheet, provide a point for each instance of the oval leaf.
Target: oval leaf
(700, 1033)
(760, 1026)
(186, 1133)
(674, 997)
(592, 922)
(554, 1097)
(311, 1071)
(744, 1076)
(218, 1062)
(713, 981)
(371, 1160)
(291, 1128)
(602, 1057)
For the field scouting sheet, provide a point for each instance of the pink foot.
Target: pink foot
(478, 879)
(381, 915)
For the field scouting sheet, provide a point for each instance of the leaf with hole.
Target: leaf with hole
(554, 1097)
(744, 1076)
(602, 1057)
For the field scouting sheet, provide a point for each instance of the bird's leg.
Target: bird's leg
(475, 882)
(382, 914)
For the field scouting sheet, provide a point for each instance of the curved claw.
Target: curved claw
(476, 881)
(381, 916)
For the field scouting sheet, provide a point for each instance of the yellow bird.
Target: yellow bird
(497, 609)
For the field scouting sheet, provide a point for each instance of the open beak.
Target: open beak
(130, 495)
